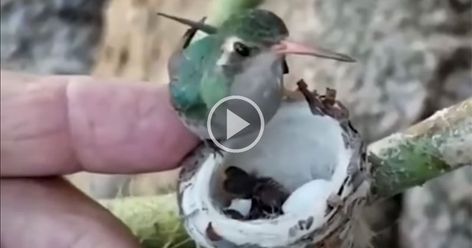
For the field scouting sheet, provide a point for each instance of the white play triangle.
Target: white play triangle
(234, 124)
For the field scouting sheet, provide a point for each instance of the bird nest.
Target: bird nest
(301, 185)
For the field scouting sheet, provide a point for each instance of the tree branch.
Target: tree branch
(422, 152)
(154, 220)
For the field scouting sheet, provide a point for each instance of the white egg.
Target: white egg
(309, 197)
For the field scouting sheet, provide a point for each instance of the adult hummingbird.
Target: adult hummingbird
(244, 56)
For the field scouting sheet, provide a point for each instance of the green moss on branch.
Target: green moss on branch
(153, 219)
(422, 152)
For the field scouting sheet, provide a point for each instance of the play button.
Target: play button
(235, 124)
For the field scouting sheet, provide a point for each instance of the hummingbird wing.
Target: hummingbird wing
(186, 72)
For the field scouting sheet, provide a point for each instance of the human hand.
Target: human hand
(56, 125)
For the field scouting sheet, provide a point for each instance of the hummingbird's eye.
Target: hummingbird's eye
(241, 49)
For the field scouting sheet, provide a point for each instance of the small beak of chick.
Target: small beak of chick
(289, 47)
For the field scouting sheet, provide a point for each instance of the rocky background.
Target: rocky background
(414, 57)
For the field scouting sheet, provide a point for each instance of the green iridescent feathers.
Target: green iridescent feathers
(259, 26)
(199, 83)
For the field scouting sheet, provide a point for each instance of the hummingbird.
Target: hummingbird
(244, 56)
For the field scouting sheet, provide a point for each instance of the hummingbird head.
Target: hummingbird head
(247, 34)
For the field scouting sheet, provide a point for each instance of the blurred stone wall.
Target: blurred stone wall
(50, 36)
(414, 57)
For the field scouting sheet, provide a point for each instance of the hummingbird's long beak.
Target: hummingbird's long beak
(290, 47)
(198, 25)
